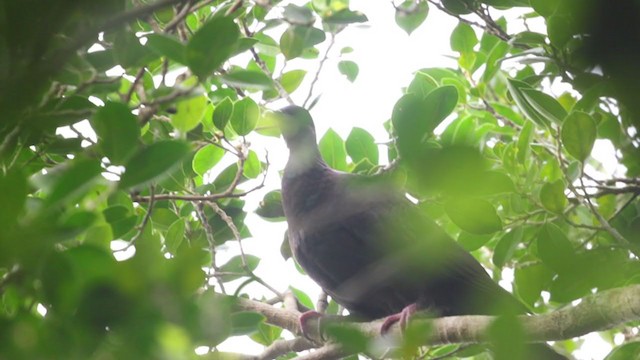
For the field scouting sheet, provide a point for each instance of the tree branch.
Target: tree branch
(601, 311)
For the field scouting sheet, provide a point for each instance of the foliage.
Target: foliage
(489, 148)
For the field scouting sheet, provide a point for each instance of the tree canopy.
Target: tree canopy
(119, 190)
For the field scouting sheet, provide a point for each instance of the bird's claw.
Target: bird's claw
(302, 320)
(402, 318)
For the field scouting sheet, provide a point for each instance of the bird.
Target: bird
(372, 249)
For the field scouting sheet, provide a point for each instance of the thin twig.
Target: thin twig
(317, 75)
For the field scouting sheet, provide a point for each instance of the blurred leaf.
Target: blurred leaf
(555, 249)
(72, 180)
(422, 84)
(552, 196)
(252, 165)
(472, 242)
(189, 113)
(248, 79)
(270, 207)
(167, 46)
(222, 113)
(292, 79)
(302, 297)
(212, 45)
(579, 134)
(345, 16)
(517, 90)
(348, 69)
(234, 268)
(299, 15)
(153, 162)
(463, 38)
(361, 145)
(118, 131)
(524, 142)
(266, 334)
(298, 38)
(206, 158)
(14, 198)
(473, 215)
(530, 281)
(333, 151)
(349, 337)
(245, 116)
(628, 351)
(410, 15)
(243, 323)
(545, 105)
(506, 246)
(508, 338)
(460, 7)
(175, 235)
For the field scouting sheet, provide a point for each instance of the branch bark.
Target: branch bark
(597, 312)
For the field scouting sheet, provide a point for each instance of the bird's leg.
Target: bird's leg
(402, 317)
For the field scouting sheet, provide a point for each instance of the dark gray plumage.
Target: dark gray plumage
(368, 246)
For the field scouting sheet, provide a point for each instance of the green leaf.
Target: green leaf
(545, 105)
(73, 179)
(167, 46)
(463, 38)
(298, 38)
(234, 268)
(555, 249)
(460, 7)
(175, 235)
(414, 118)
(552, 196)
(545, 8)
(530, 281)
(349, 69)
(579, 134)
(248, 79)
(344, 17)
(516, 88)
(245, 322)
(361, 145)
(422, 84)
(300, 15)
(473, 242)
(292, 79)
(266, 334)
(410, 15)
(212, 45)
(153, 162)
(476, 216)
(222, 113)
(189, 113)
(333, 150)
(206, 158)
(628, 351)
(14, 198)
(349, 337)
(252, 166)
(303, 298)
(270, 207)
(506, 246)
(118, 131)
(245, 116)
(524, 142)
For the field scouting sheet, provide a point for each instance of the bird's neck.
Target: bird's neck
(304, 159)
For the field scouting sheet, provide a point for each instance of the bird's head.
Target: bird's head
(296, 126)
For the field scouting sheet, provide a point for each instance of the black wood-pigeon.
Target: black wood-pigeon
(373, 250)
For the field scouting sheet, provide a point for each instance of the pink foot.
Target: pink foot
(402, 317)
(302, 321)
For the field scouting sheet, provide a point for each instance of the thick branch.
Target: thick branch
(596, 312)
